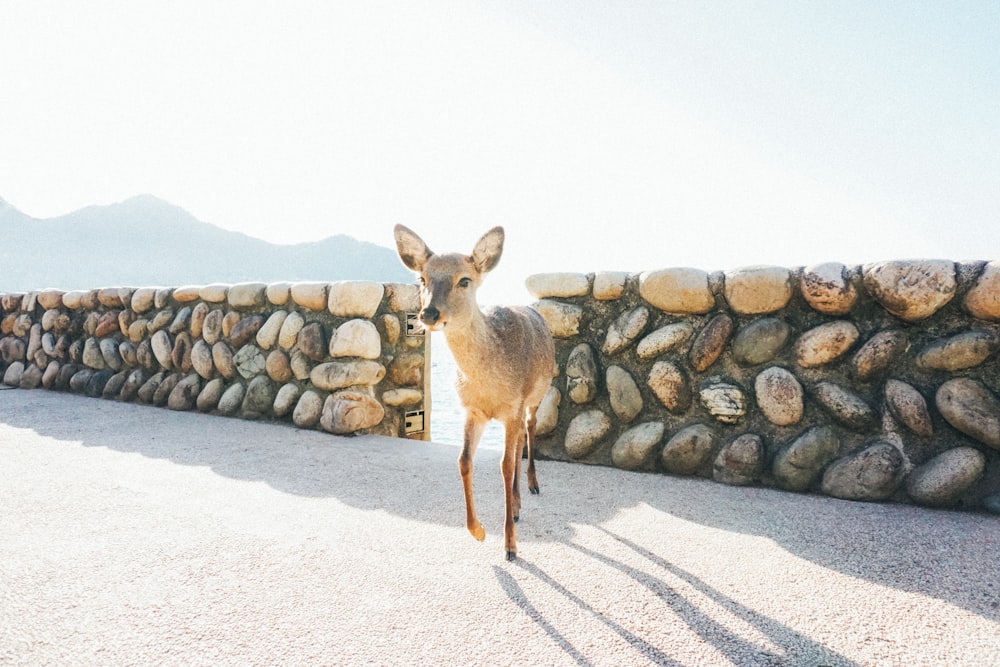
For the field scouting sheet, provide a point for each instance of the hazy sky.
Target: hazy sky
(602, 135)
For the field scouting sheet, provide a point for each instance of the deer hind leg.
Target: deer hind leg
(530, 441)
(513, 448)
(473, 432)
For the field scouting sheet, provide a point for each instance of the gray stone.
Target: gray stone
(943, 480)
(135, 381)
(799, 464)
(181, 320)
(211, 330)
(312, 341)
(308, 410)
(245, 330)
(350, 411)
(201, 359)
(285, 399)
(31, 378)
(625, 329)
(114, 386)
(846, 407)
(127, 353)
(725, 402)
(259, 397)
(965, 350)
(825, 343)
(301, 366)
(181, 354)
(689, 450)
(267, 336)
(340, 374)
(969, 406)
(161, 320)
(50, 375)
(878, 355)
(585, 433)
(95, 385)
(222, 358)
(163, 348)
(78, 383)
(710, 342)
(92, 357)
(184, 396)
(664, 340)
(991, 503)
(912, 291)
(581, 374)
(740, 462)
(209, 397)
(779, 396)
(162, 392)
(250, 361)
(633, 448)
(626, 400)
(149, 387)
(908, 406)
(761, 341)
(827, 288)
(109, 351)
(874, 473)
(670, 385)
(231, 399)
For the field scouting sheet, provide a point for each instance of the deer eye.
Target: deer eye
(464, 282)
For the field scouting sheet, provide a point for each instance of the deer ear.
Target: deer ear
(487, 253)
(413, 252)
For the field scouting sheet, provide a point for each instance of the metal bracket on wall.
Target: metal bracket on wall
(414, 422)
(413, 325)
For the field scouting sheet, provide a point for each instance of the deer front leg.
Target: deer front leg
(473, 432)
(513, 447)
(530, 441)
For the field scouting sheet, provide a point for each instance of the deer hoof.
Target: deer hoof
(511, 555)
(534, 490)
(478, 532)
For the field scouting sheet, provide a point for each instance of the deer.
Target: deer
(505, 357)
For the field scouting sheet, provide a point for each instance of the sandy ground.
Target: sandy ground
(132, 535)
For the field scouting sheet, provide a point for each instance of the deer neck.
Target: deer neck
(470, 345)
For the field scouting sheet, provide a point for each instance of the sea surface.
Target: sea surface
(447, 415)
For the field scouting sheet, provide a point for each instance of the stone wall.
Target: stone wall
(335, 356)
(866, 383)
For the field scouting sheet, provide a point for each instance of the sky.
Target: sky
(601, 135)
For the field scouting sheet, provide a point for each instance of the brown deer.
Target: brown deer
(505, 360)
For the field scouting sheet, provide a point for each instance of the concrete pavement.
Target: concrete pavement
(132, 535)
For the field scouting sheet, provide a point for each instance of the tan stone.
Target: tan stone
(356, 338)
(609, 285)
(311, 295)
(278, 293)
(779, 396)
(247, 295)
(664, 340)
(71, 299)
(49, 299)
(983, 300)
(827, 289)
(267, 336)
(290, 328)
(400, 397)
(350, 411)
(825, 343)
(757, 290)
(355, 298)
(563, 319)
(187, 293)
(911, 290)
(677, 290)
(585, 433)
(558, 285)
(403, 297)
(215, 293)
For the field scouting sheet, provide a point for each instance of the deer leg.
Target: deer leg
(513, 447)
(530, 440)
(473, 432)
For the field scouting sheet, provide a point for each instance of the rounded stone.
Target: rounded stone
(250, 361)
(259, 397)
(407, 370)
(278, 293)
(558, 285)
(943, 480)
(845, 406)
(339, 374)
(201, 359)
(585, 433)
(664, 339)
(127, 352)
(983, 300)
(312, 296)
(181, 355)
(245, 330)
(92, 356)
(198, 315)
(398, 397)
(740, 462)
(142, 299)
(670, 385)
(725, 402)
(547, 417)
(49, 299)
(184, 396)
(969, 406)
(161, 320)
(114, 385)
(827, 289)
(231, 399)
(12, 376)
(609, 285)
(109, 350)
(162, 392)
(181, 320)
(402, 297)
(355, 298)
(799, 464)
(312, 341)
(825, 343)
(679, 291)
(285, 399)
(779, 396)
(626, 400)
(308, 410)
(163, 348)
(563, 319)
(633, 448)
(758, 290)
(290, 328)
(878, 354)
(350, 411)
(911, 291)
(50, 375)
(133, 383)
(209, 397)
(965, 350)
(909, 408)
(874, 473)
(108, 324)
(356, 338)
(247, 295)
(278, 366)
(78, 383)
(689, 451)
(222, 358)
(581, 374)
(211, 331)
(710, 342)
(214, 293)
(95, 385)
(625, 329)
(138, 331)
(760, 341)
(187, 293)
(991, 503)
(267, 336)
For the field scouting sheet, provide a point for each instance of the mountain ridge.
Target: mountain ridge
(145, 240)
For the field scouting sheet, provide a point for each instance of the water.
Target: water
(447, 415)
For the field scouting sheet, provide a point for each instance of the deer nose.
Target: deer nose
(430, 315)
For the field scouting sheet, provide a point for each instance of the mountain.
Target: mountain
(147, 241)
